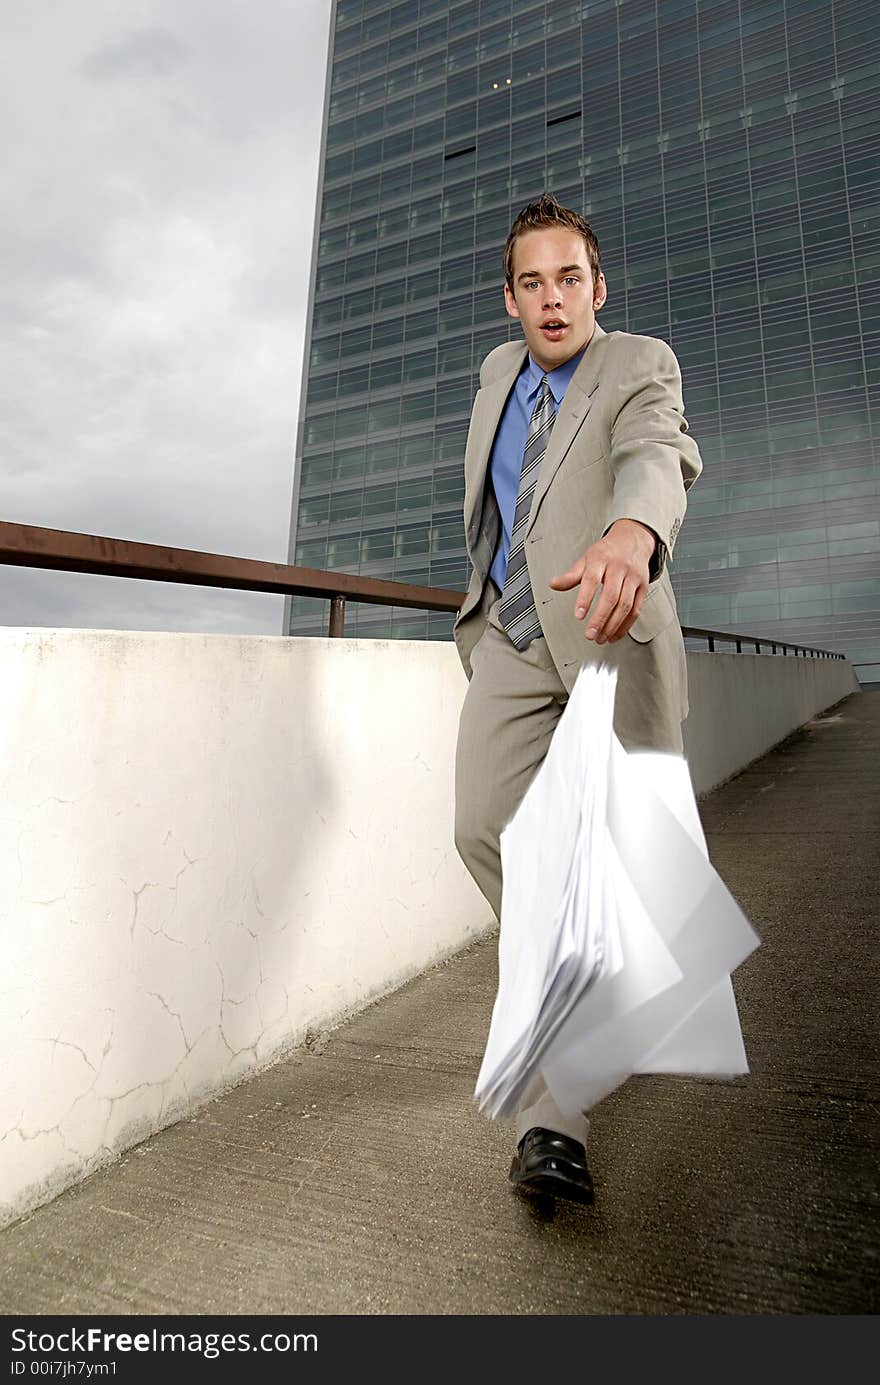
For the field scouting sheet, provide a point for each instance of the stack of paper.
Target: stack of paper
(617, 936)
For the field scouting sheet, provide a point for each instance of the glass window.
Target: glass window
(350, 422)
(311, 553)
(455, 356)
(353, 381)
(493, 146)
(356, 304)
(367, 156)
(419, 365)
(426, 134)
(528, 96)
(321, 388)
(388, 333)
(420, 286)
(813, 600)
(450, 445)
(397, 146)
(314, 510)
(839, 375)
(396, 112)
(380, 500)
(415, 494)
(391, 257)
(417, 408)
(416, 451)
(384, 374)
(458, 234)
(357, 342)
(456, 274)
(340, 132)
(429, 99)
(461, 121)
(411, 539)
(384, 414)
(454, 398)
(316, 470)
(381, 456)
(326, 314)
(319, 430)
(345, 505)
(348, 463)
(375, 546)
(424, 213)
(343, 553)
(369, 123)
(420, 325)
(395, 183)
(390, 294)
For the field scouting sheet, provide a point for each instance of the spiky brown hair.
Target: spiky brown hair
(548, 212)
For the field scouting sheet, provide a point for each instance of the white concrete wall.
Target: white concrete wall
(742, 704)
(210, 845)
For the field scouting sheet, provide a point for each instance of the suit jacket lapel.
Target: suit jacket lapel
(573, 410)
(488, 408)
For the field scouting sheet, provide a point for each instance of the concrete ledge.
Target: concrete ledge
(211, 845)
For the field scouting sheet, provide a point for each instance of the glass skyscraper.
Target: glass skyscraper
(726, 155)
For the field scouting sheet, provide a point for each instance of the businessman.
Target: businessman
(576, 470)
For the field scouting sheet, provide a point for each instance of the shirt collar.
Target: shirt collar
(558, 379)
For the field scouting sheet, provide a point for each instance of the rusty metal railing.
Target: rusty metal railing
(759, 642)
(26, 545)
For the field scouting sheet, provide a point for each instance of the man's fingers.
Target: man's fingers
(569, 579)
(593, 581)
(611, 587)
(586, 596)
(625, 613)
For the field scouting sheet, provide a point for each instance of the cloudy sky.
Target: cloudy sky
(160, 164)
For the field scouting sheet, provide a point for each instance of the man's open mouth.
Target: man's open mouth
(554, 328)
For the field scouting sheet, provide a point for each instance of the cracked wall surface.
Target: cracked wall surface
(209, 846)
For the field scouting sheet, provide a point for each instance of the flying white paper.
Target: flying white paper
(617, 935)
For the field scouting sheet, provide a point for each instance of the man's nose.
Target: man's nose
(554, 297)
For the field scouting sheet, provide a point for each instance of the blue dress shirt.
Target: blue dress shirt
(506, 459)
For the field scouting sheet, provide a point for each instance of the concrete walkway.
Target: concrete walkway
(357, 1176)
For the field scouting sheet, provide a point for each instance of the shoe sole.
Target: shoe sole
(551, 1185)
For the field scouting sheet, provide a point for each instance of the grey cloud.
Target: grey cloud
(154, 301)
(80, 600)
(152, 52)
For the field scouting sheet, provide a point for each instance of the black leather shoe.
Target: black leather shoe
(553, 1165)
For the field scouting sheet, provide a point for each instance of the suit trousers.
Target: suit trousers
(513, 702)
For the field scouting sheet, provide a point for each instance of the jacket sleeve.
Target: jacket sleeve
(654, 459)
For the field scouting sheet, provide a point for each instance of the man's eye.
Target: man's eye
(572, 279)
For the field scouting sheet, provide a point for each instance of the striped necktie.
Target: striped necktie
(517, 610)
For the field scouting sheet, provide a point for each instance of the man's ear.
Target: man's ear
(600, 292)
(510, 302)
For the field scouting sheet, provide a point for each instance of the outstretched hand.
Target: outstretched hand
(618, 564)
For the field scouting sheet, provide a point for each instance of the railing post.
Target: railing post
(337, 617)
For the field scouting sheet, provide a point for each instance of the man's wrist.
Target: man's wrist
(647, 535)
(655, 548)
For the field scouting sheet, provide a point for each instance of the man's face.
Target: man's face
(553, 294)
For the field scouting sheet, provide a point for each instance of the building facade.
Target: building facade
(726, 155)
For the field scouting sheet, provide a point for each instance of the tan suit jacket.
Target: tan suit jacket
(619, 449)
